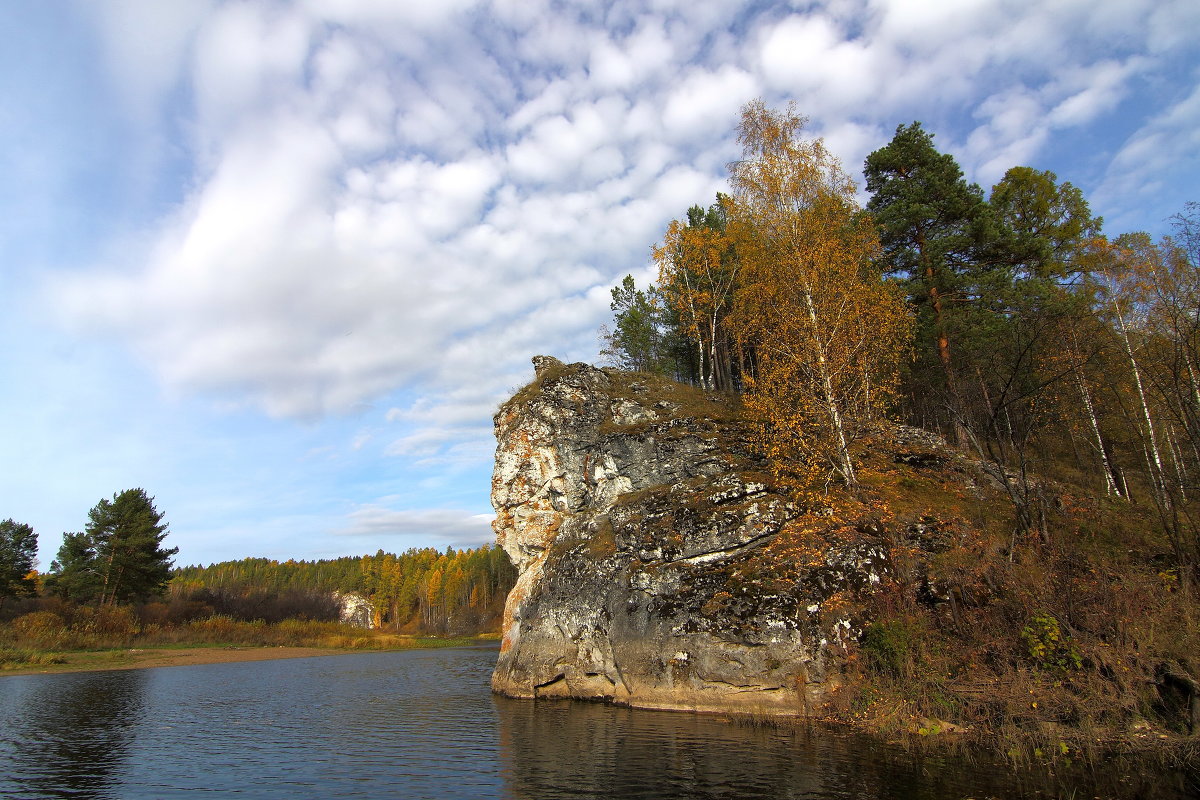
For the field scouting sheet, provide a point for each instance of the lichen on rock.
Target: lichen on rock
(659, 565)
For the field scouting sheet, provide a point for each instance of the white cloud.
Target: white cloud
(451, 527)
(812, 58)
(1093, 90)
(704, 102)
(246, 57)
(390, 195)
(370, 13)
(1140, 173)
(146, 45)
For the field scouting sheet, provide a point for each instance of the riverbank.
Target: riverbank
(154, 657)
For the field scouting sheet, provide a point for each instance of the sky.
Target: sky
(278, 263)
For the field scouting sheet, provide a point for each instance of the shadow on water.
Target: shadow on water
(561, 749)
(71, 736)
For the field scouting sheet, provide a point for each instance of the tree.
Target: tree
(827, 332)
(933, 230)
(634, 342)
(1043, 225)
(119, 557)
(698, 279)
(18, 550)
(1151, 293)
(1021, 349)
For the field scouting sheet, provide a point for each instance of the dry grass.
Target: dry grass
(1047, 649)
(43, 637)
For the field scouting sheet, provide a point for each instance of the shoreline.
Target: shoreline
(156, 657)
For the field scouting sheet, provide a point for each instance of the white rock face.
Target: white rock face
(647, 538)
(356, 609)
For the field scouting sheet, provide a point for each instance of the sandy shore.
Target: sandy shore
(174, 657)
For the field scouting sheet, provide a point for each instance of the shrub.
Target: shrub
(109, 622)
(43, 628)
(892, 646)
(1047, 647)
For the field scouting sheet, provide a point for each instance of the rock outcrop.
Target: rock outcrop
(660, 567)
(355, 610)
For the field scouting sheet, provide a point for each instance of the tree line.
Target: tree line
(117, 559)
(120, 559)
(420, 590)
(1009, 322)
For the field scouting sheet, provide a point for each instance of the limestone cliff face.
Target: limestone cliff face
(648, 539)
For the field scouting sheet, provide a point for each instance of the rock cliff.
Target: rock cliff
(659, 565)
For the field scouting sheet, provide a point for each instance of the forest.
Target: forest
(419, 591)
(113, 586)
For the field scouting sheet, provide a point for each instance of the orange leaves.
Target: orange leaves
(827, 333)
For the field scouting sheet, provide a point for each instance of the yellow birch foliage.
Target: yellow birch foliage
(827, 333)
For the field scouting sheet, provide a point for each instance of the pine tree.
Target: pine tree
(18, 549)
(119, 557)
(934, 229)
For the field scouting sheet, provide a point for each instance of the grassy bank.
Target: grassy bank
(1070, 646)
(105, 636)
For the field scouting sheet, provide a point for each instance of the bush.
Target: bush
(892, 646)
(1047, 647)
(226, 630)
(45, 629)
(108, 622)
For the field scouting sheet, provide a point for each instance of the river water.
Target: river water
(422, 724)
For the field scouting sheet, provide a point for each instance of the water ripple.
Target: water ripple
(418, 724)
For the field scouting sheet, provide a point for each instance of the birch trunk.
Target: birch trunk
(1158, 476)
(835, 416)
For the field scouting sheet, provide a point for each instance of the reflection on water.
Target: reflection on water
(422, 724)
(562, 749)
(72, 733)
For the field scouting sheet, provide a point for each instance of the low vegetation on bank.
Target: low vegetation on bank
(63, 633)
(1050, 647)
(90, 601)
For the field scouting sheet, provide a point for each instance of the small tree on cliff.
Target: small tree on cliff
(635, 341)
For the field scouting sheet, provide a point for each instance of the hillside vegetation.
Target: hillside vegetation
(418, 591)
(1039, 496)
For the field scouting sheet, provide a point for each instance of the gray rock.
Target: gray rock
(646, 533)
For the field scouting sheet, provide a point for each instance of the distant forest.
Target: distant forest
(418, 591)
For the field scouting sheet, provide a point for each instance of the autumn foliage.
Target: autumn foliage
(827, 333)
(1046, 552)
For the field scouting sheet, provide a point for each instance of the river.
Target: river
(422, 724)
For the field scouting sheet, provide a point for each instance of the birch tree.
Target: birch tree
(1151, 295)
(828, 333)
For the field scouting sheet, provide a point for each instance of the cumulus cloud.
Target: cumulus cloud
(1140, 174)
(388, 195)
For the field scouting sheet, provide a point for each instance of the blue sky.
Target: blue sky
(278, 263)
